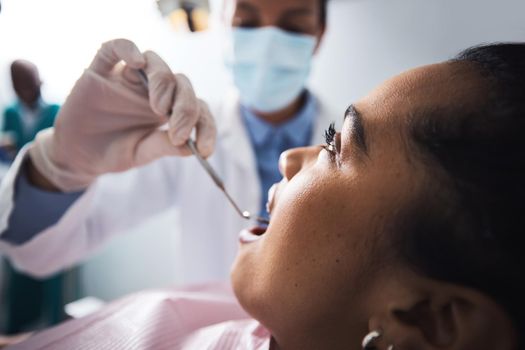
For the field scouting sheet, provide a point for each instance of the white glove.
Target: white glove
(109, 124)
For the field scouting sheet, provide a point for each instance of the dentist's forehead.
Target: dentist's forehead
(229, 6)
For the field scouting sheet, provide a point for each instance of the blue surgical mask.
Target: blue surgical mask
(270, 66)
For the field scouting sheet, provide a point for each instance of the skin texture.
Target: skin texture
(295, 16)
(26, 82)
(325, 273)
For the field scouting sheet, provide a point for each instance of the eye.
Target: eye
(292, 29)
(248, 25)
(329, 135)
(245, 22)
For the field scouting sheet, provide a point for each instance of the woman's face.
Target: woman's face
(333, 216)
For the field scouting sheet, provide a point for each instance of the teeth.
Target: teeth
(271, 193)
(246, 236)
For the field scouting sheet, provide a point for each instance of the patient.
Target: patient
(403, 232)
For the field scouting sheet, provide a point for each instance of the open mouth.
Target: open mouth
(253, 234)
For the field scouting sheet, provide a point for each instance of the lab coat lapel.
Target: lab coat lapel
(236, 146)
(233, 135)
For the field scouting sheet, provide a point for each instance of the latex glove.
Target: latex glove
(109, 122)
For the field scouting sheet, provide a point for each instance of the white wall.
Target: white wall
(367, 42)
(62, 36)
(371, 40)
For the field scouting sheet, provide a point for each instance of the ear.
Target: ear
(440, 316)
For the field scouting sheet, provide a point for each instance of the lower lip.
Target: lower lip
(254, 234)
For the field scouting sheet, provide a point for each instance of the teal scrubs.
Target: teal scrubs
(34, 303)
(13, 122)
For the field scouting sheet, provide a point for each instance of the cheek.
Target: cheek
(312, 248)
(310, 216)
(316, 232)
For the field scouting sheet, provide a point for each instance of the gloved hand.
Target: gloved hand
(110, 122)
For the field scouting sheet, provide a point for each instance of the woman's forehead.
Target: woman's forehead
(428, 88)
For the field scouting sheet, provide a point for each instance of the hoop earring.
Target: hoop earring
(370, 339)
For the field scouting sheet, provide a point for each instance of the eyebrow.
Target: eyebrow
(298, 11)
(246, 6)
(358, 136)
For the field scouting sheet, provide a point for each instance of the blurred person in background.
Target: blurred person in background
(110, 124)
(7, 150)
(30, 303)
(30, 113)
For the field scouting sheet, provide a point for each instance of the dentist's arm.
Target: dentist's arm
(109, 123)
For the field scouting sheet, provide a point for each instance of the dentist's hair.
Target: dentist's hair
(471, 229)
(323, 11)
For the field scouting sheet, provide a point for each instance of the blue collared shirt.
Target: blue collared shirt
(42, 207)
(269, 141)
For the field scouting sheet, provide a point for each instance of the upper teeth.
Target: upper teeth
(271, 193)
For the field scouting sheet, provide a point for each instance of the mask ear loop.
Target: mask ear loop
(369, 340)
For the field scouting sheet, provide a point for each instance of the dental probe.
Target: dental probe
(208, 168)
(245, 214)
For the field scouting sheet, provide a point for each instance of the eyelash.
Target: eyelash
(329, 136)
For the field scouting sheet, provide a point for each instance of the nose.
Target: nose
(295, 159)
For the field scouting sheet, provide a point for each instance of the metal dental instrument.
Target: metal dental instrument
(213, 174)
(245, 214)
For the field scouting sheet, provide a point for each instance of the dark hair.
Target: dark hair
(471, 231)
(323, 11)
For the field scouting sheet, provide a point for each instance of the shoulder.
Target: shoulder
(10, 111)
(236, 333)
(52, 108)
(10, 116)
(49, 113)
(185, 311)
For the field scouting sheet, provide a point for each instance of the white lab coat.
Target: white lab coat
(116, 202)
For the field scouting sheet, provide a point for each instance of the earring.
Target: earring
(370, 339)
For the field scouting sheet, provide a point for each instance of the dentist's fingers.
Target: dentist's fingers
(162, 84)
(185, 112)
(114, 51)
(206, 131)
(156, 145)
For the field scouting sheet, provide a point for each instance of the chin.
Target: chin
(246, 287)
(238, 277)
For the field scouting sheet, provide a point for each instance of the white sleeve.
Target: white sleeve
(114, 203)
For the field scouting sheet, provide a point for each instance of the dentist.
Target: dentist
(114, 159)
